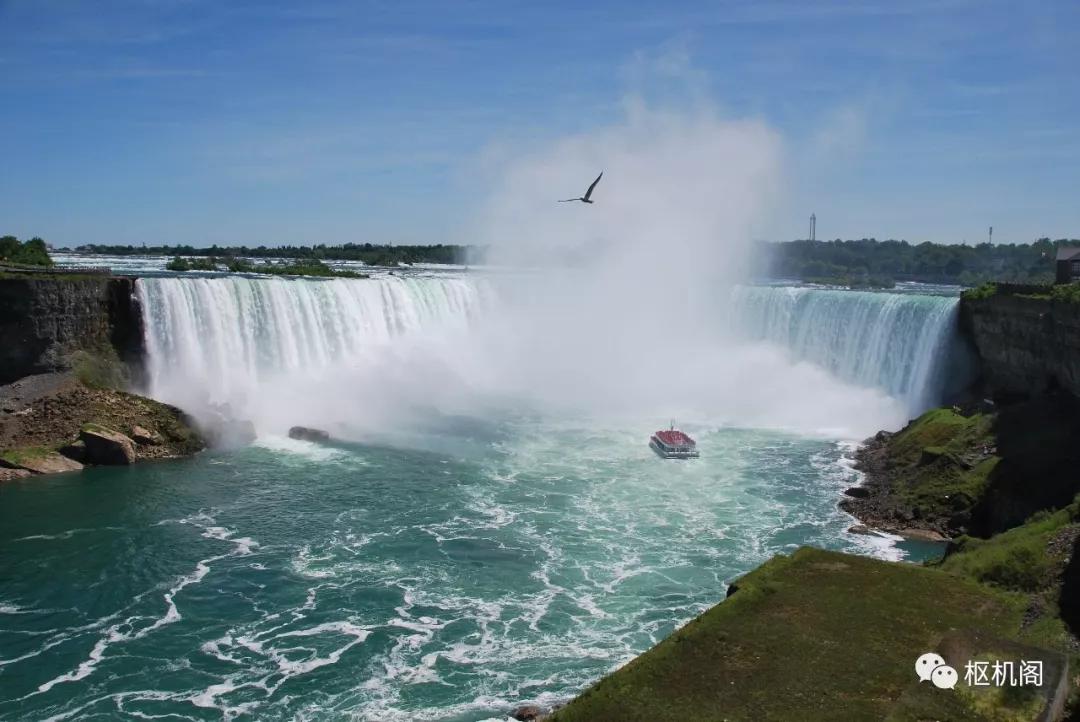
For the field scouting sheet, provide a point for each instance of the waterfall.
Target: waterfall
(220, 336)
(898, 342)
(283, 351)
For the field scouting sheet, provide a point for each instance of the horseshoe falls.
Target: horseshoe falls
(902, 343)
(443, 558)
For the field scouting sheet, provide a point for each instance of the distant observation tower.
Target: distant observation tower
(813, 227)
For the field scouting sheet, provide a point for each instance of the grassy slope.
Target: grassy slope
(1031, 560)
(815, 636)
(942, 469)
(979, 474)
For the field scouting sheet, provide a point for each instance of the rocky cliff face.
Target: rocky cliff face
(1027, 345)
(43, 320)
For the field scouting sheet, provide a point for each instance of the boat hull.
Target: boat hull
(666, 453)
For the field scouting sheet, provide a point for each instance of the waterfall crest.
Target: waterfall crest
(225, 334)
(897, 342)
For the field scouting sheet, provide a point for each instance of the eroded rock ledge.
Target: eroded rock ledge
(53, 423)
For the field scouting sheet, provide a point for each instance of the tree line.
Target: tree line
(863, 262)
(372, 254)
(875, 262)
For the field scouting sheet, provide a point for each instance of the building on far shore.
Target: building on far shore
(1068, 264)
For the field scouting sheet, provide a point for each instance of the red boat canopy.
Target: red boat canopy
(672, 437)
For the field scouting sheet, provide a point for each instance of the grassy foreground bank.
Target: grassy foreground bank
(826, 636)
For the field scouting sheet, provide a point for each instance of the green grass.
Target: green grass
(815, 636)
(24, 454)
(979, 293)
(938, 462)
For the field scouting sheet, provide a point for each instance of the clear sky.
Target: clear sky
(209, 121)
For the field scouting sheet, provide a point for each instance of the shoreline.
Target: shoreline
(871, 503)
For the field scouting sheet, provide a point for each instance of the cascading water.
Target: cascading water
(216, 340)
(897, 342)
(285, 351)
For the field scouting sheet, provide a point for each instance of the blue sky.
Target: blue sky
(204, 121)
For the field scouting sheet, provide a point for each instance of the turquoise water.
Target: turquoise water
(493, 563)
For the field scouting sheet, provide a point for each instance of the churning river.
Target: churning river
(447, 569)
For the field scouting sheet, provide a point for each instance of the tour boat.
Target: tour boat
(674, 444)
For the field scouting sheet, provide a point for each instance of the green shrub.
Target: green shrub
(30, 253)
(99, 369)
(986, 290)
(1066, 293)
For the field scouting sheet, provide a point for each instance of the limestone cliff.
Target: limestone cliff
(1028, 343)
(45, 319)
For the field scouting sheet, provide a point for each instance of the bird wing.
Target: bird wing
(569, 200)
(588, 193)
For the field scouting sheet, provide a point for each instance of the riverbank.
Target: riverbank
(952, 472)
(55, 422)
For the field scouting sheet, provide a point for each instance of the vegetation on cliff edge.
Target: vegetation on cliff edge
(302, 267)
(972, 473)
(33, 252)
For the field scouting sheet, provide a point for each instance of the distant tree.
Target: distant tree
(9, 246)
(30, 253)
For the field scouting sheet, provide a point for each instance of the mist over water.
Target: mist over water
(620, 311)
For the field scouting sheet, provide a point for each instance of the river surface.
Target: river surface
(293, 581)
(448, 563)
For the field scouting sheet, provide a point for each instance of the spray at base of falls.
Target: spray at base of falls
(901, 343)
(396, 351)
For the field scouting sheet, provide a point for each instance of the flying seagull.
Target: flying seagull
(588, 193)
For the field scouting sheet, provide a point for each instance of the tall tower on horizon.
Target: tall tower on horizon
(813, 227)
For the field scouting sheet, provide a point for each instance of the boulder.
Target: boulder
(857, 492)
(305, 434)
(75, 451)
(145, 436)
(222, 430)
(528, 713)
(107, 447)
(12, 474)
(859, 529)
(40, 462)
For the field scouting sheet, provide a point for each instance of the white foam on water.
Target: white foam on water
(125, 631)
(306, 450)
(65, 534)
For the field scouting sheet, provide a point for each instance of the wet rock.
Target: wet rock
(307, 434)
(222, 430)
(859, 529)
(928, 535)
(12, 474)
(48, 462)
(107, 447)
(857, 492)
(528, 713)
(145, 436)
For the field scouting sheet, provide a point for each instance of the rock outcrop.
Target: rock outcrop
(40, 461)
(55, 413)
(145, 437)
(106, 447)
(307, 434)
(46, 319)
(1027, 343)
